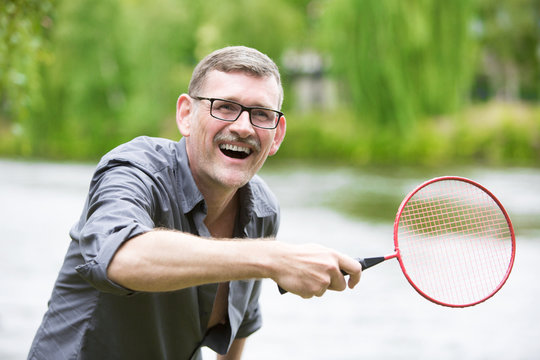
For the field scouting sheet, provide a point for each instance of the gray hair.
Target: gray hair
(231, 59)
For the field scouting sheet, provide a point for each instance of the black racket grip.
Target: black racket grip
(369, 262)
(366, 264)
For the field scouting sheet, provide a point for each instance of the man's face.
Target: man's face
(228, 154)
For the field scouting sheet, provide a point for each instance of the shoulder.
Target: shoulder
(149, 153)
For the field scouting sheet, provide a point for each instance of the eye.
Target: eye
(226, 107)
(261, 115)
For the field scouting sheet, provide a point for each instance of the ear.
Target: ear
(184, 114)
(278, 136)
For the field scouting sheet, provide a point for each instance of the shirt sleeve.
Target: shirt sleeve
(119, 206)
(252, 319)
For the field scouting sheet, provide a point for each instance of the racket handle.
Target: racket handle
(369, 262)
(366, 264)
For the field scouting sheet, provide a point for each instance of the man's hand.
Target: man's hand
(310, 270)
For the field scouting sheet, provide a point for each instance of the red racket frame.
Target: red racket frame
(397, 254)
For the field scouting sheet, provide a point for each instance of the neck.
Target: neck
(222, 208)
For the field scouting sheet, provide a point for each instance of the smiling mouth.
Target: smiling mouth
(235, 151)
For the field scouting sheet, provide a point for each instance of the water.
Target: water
(350, 210)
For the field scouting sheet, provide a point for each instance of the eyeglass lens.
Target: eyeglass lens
(226, 110)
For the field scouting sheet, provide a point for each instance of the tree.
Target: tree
(401, 60)
(24, 29)
(509, 34)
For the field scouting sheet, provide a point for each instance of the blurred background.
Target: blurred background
(366, 82)
(380, 95)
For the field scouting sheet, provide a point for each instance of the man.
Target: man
(160, 263)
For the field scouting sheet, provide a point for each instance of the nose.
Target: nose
(242, 126)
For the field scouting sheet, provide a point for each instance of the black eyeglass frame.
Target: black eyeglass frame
(243, 108)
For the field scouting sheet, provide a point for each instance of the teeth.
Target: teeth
(234, 148)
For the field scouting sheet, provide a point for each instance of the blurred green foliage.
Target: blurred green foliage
(79, 77)
(403, 59)
(494, 133)
(509, 35)
(24, 30)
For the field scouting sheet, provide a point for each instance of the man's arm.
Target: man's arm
(163, 260)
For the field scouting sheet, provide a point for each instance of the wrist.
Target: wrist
(270, 258)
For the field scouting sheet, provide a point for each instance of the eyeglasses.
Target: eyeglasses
(228, 110)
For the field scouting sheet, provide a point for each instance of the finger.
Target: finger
(320, 293)
(354, 280)
(353, 268)
(338, 282)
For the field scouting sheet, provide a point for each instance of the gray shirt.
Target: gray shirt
(139, 186)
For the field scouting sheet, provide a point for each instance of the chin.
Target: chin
(234, 179)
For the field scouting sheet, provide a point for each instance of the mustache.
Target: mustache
(251, 141)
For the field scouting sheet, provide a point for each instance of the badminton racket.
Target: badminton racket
(454, 242)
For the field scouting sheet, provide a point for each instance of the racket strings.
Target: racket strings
(455, 242)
